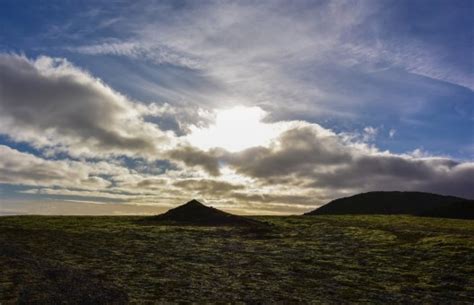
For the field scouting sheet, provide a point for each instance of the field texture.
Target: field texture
(311, 259)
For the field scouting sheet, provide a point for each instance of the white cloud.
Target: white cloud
(392, 132)
(52, 104)
(370, 133)
(25, 169)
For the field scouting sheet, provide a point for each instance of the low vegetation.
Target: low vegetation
(328, 259)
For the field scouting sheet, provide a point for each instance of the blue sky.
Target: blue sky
(108, 81)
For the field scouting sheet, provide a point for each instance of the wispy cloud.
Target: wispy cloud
(160, 54)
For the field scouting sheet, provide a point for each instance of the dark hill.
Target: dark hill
(196, 213)
(412, 203)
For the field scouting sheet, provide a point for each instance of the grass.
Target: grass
(314, 259)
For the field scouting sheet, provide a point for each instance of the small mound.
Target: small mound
(196, 213)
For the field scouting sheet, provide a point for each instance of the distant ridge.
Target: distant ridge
(411, 203)
(196, 213)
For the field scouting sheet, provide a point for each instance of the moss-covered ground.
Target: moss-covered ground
(311, 259)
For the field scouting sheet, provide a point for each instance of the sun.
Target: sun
(235, 129)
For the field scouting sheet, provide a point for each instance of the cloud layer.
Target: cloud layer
(94, 144)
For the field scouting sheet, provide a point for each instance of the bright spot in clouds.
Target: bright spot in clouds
(236, 129)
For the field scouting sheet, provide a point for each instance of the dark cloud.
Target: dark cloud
(391, 172)
(151, 183)
(192, 156)
(309, 157)
(299, 149)
(208, 187)
(272, 198)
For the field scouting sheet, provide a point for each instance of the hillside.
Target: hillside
(463, 209)
(353, 259)
(389, 203)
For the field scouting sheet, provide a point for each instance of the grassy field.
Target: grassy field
(319, 259)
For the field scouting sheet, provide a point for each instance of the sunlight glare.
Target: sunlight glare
(235, 129)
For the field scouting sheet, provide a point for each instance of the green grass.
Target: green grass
(319, 259)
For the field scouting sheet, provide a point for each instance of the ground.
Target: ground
(310, 259)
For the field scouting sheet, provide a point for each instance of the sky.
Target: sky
(254, 107)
